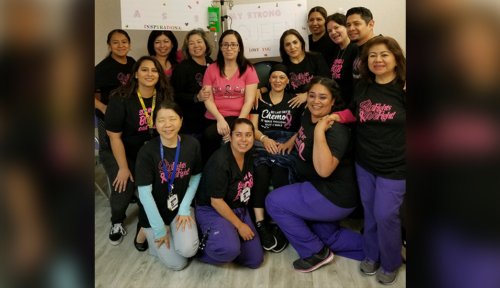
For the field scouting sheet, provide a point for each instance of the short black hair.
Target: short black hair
(168, 104)
(363, 12)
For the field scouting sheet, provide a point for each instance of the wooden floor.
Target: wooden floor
(124, 266)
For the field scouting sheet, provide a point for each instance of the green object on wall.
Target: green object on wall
(213, 19)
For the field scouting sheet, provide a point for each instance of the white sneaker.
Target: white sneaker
(116, 234)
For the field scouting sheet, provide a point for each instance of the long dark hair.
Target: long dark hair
(284, 56)
(332, 87)
(242, 62)
(163, 88)
(395, 49)
(110, 34)
(172, 56)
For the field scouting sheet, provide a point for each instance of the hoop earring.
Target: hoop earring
(288, 86)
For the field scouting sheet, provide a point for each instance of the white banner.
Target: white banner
(261, 25)
(177, 15)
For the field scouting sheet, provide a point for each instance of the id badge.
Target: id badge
(173, 202)
(245, 195)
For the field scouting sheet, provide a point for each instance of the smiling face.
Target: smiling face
(229, 52)
(197, 47)
(316, 23)
(278, 81)
(147, 75)
(358, 30)
(163, 46)
(337, 32)
(293, 46)
(319, 102)
(381, 62)
(119, 45)
(242, 138)
(168, 123)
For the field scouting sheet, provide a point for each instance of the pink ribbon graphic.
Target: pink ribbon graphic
(301, 148)
(289, 120)
(162, 176)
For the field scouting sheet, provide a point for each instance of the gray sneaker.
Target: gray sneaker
(368, 266)
(385, 277)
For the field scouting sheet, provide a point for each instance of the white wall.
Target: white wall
(389, 16)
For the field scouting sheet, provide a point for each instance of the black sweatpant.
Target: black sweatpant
(118, 201)
(263, 174)
(212, 139)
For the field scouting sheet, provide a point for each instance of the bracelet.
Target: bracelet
(262, 137)
(260, 89)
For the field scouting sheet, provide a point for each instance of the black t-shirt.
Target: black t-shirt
(187, 81)
(342, 69)
(127, 116)
(280, 117)
(324, 46)
(356, 75)
(340, 187)
(380, 111)
(300, 74)
(149, 171)
(223, 179)
(109, 75)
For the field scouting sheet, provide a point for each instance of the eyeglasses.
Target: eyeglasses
(227, 45)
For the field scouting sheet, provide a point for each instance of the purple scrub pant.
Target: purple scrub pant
(381, 200)
(310, 221)
(224, 244)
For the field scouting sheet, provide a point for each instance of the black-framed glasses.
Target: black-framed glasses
(227, 45)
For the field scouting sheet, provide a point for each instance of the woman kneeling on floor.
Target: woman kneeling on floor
(309, 212)
(221, 202)
(166, 196)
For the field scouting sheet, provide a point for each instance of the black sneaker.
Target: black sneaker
(266, 235)
(116, 234)
(314, 262)
(281, 239)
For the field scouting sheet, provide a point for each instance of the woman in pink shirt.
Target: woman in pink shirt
(160, 45)
(230, 85)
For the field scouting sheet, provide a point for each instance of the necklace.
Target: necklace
(343, 51)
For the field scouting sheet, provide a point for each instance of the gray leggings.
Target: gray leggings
(183, 245)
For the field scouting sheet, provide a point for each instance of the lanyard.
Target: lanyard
(149, 119)
(171, 182)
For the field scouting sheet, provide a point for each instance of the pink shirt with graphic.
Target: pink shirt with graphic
(229, 94)
(179, 58)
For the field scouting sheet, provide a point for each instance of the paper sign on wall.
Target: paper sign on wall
(174, 15)
(261, 25)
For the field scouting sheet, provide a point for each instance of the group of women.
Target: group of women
(167, 137)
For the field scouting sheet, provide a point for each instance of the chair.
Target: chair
(263, 68)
